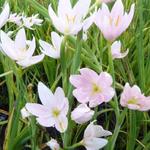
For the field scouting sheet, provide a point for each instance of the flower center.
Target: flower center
(56, 112)
(114, 21)
(132, 101)
(96, 89)
(70, 19)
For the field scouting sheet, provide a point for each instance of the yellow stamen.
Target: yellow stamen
(56, 112)
(117, 21)
(70, 18)
(96, 89)
(132, 101)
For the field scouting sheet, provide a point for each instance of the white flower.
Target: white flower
(25, 113)
(92, 134)
(115, 50)
(82, 114)
(20, 49)
(68, 20)
(28, 22)
(15, 18)
(4, 15)
(52, 50)
(54, 109)
(53, 144)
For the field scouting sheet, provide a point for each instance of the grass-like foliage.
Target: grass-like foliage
(65, 74)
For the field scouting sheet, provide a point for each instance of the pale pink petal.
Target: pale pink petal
(46, 96)
(61, 123)
(37, 109)
(8, 46)
(4, 15)
(118, 9)
(49, 50)
(46, 121)
(88, 74)
(81, 95)
(56, 40)
(95, 143)
(82, 114)
(31, 48)
(20, 40)
(61, 100)
(64, 7)
(81, 8)
(30, 61)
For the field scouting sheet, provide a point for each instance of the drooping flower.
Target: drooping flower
(132, 98)
(92, 137)
(53, 110)
(82, 114)
(92, 88)
(115, 50)
(68, 20)
(15, 18)
(21, 49)
(53, 144)
(113, 24)
(4, 15)
(23, 21)
(52, 50)
(28, 22)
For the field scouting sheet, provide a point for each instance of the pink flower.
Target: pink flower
(132, 98)
(92, 88)
(82, 114)
(115, 50)
(93, 137)
(54, 109)
(113, 24)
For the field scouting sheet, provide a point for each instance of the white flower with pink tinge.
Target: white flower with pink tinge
(4, 15)
(113, 23)
(69, 20)
(92, 139)
(133, 98)
(53, 144)
(116, 50)
(53, 110)
(92, 88)
(52, 50)
(21, 50)
(82, 114)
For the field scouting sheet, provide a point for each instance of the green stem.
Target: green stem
(73, 146)
(119, 122)
(132, 131)
(112, 72)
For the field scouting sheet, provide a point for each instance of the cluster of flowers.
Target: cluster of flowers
(91, 89)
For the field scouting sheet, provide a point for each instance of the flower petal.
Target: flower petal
(4, 15)
(37, 109)
(95, 143)
(8, 46)
(20, 40)
(56, 40)
(30, 61)
(81, 8)
(49, 50)
(61, 123)
(46, 121)
(46, 96)
(64, 7)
